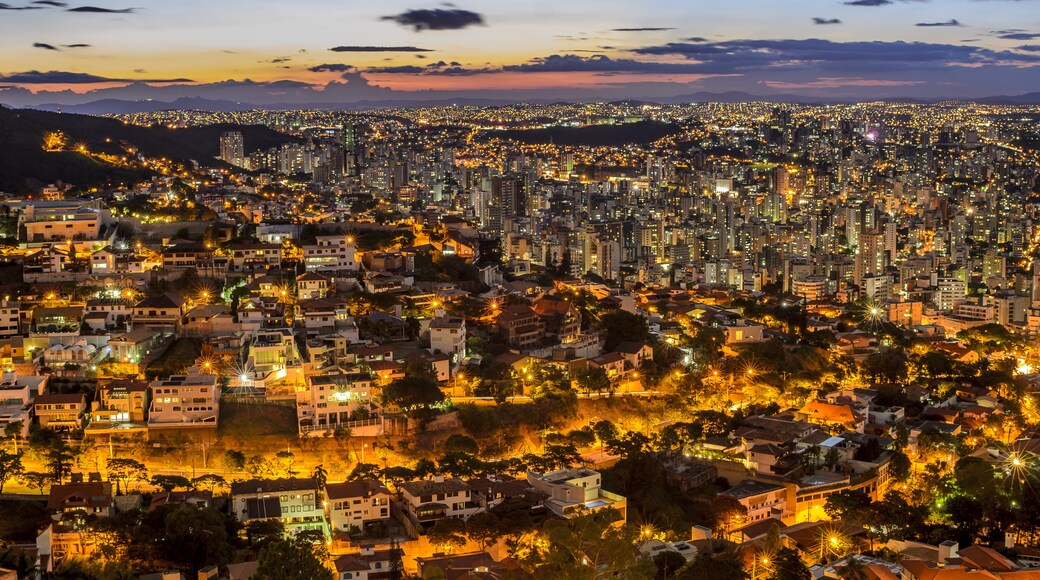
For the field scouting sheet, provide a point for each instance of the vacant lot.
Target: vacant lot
(247, 421)
(180, 355)
(20, 521)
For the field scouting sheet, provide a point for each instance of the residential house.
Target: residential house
(523, 326)
(184, 401)
(296, 502)
(355, 504)
(573, 488)
(60, 412)
(94, 497)
(369, 564)
(163, 313)
(120, 407)
(311, 286)
(255, 257)
(429, 500)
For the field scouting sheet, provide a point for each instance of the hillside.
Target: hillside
(24, 164)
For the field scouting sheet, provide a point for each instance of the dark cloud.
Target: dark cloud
(45, 46)
(331, 68)
(733, 56)
(35, 77)
(436, 19)
(695, 39)
(401, 69)
(285, 84)
(950, 22)
(279, 60)
(601, 64)
(77, 45)
(9, 7)
(644, 29)
(439, 68)
(1029, 47)
(1020, 36)
(378, 49)
(868, 2)
(99, 10)
(53, 3)
(818, 20)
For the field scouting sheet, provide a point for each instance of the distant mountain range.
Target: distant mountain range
(25, 165)
(117, 106)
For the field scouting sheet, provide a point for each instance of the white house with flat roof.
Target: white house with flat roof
(184, 401)
(570, 489)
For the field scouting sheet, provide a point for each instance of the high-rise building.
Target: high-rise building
(232, 148)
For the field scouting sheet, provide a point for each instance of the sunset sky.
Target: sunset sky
(526, 48)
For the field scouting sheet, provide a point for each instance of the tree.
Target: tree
(485, 529)
(288, 459)
(415, 395)
(668, 563)
(44, 438)
(621, 327)
(13, 431)
(584, 547)
(234, 460)
(58, 459)
(287, 560)
(364, 471)
(209, 482)
(788, 565)
(889, 364)
(124, 471)
(321, 476)
(395, 569)
(35, 479)
(729, 513)
(10, 467)
(262, 532)
(554, 457)
(714, 566)
(195, 536)
(169, 483)
(448, 532)
(592, 380)
(461, 443)
(846, 503)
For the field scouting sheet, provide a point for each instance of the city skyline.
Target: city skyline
(321, 52)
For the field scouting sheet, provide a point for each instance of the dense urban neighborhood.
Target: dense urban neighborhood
(625, 340)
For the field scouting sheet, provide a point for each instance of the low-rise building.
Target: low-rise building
(60, 412)
(569, 489)
(429, 500)
(448, 336)
(296, 502)
(355, 504)
(184, 401)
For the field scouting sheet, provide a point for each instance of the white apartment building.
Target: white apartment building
(296, 502)
(184, 401)
(448, 336)
(332, 401)
(331, 254)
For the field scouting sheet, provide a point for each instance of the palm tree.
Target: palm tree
(320, 475)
